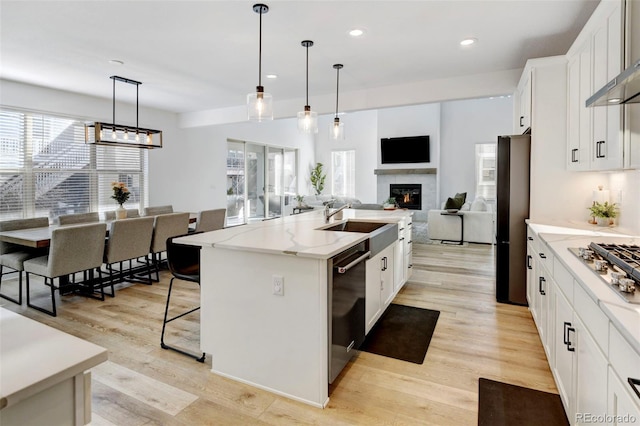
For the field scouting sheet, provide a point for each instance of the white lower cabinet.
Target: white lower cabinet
(379, 285)
(623, 406)
(590, 366)
(563, 365)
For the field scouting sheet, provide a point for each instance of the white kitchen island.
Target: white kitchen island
(44, 373)
(274, 342)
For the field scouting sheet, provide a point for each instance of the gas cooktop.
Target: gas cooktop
(618, 265)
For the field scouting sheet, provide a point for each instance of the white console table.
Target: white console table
(44, 377)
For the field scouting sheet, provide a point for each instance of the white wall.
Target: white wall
(625, 190)
(464, 124)
(360, 129)
(199, 161)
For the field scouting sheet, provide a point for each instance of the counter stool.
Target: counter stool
(184, 264)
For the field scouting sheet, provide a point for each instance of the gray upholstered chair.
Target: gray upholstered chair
(73, 249)
(165, 226)
(210, 220)
(128, 239)
(111, 214)
(70, 219)
(13, 256)
(156, 210)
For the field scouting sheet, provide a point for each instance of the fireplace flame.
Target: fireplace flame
(406, 198)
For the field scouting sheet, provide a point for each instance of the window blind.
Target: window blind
(46, 169)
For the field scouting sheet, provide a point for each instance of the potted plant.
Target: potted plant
(317, 178)
(604, 212)
(390, 204)
(121, 195)
(300, 200)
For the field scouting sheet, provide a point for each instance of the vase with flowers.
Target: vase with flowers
(121, 195)
(604, 213)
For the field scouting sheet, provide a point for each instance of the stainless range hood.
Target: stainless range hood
(623, 89)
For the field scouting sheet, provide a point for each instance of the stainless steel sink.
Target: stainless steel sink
(355, 226)
(381, 235)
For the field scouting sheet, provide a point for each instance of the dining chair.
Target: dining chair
(13, 256)
(165, 226)
(70, 219)
(111, 214)
(210, 220)
(128, 239)
(73, 249)
(184, 263)
(156, 210)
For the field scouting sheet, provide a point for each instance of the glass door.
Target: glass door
(255, 182)
(275, 191)
(235, 183)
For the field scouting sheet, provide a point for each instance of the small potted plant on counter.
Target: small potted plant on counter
(300, 200)
(604, 213)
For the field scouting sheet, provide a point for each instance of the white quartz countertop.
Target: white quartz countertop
(34, 357)
(295, 235)
(625, 316)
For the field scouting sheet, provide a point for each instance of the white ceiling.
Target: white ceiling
(201, 55)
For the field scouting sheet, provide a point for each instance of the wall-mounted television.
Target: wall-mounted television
(410, 149)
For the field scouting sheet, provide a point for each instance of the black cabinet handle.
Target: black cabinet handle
(635, 385)
(565, 337)
(569, 348)
(521, 118)
(401, 239)
(530, 238)
(529, 262)
(574, 159)
(599, 153)
(542, 255)
(540, 290)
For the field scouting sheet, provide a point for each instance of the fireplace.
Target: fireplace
(407, 195)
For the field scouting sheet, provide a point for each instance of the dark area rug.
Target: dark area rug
(403, 332)
(504, 404)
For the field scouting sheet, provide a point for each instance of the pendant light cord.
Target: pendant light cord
(307, 75)
(337, 88)
(260, 53)
(114, 102)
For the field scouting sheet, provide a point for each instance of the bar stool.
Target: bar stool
(184, 264)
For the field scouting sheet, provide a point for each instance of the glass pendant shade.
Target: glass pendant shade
(336, 130)
(308, 120)
(259, 105)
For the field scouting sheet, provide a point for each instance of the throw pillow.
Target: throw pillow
(453, 203)
(462, 196)
(479, 205)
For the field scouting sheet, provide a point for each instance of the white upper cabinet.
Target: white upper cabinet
(524, 95)
(579, 117)
(595, 135)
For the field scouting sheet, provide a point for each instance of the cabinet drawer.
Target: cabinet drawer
(624, 360)
(545, 256)
(563, 279)
(592, 316)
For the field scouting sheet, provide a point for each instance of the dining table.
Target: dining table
(41, 237)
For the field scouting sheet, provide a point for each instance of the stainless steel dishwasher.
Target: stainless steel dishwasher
(346, 272)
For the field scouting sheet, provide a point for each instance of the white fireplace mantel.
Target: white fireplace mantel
(423, 171)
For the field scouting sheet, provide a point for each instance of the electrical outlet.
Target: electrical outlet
(278, 285)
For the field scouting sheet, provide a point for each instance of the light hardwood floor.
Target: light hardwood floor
(475, 337)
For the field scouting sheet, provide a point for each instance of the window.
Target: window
(261, 181)
(343, 175)
(46, 169)
(486, 170)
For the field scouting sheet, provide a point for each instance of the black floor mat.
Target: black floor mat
(403, 332)
(504, 404)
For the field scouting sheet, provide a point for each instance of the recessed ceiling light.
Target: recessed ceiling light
(272, 76)
(356, 32)
(468, 41)
(116, 62)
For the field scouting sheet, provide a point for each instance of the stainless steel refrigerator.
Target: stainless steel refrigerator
(512, 208)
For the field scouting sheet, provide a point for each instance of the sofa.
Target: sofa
(479, 223)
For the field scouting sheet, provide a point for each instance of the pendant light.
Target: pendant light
(113, 134)
(336, 129)
(260, 104)
(307, 120)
